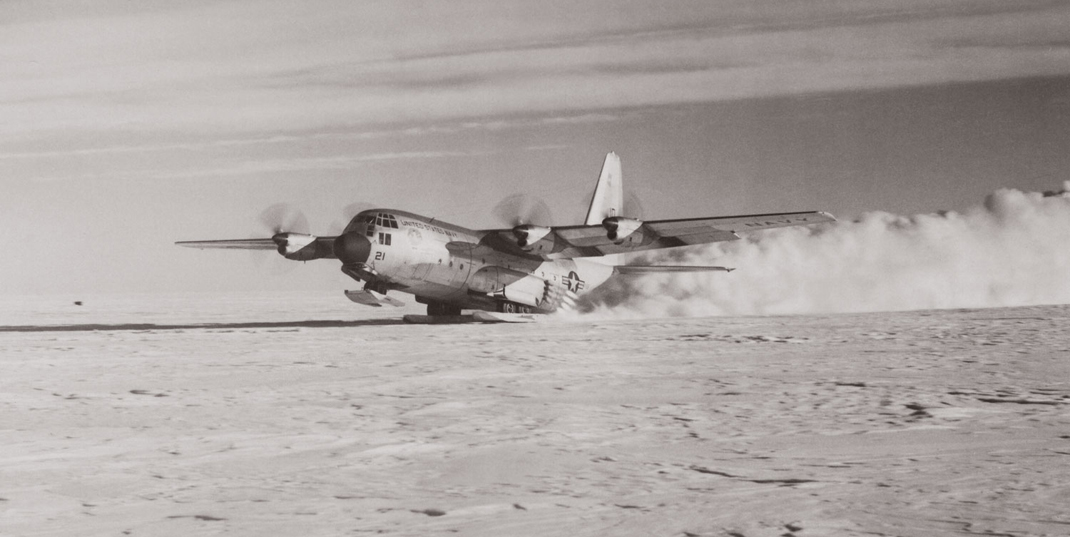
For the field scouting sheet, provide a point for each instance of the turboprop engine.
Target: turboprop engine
(528, 234)
(515, 286)
(619, 227)
(301, 246)
(529, 290)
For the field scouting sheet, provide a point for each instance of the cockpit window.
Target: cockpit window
(382, 220)
(386, 220)
(361, 223)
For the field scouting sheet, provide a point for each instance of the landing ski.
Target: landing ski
(371, 298)
(495, 317)
(474, 317)
(440, 319)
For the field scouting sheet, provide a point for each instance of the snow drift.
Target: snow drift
(1012, 250)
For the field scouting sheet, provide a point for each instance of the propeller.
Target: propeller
(283, 217)
(348, 212)
(520, 209)
(633, 207)
(279, 218)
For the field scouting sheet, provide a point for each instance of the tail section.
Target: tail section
(608, 199)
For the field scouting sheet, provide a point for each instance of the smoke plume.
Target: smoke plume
(1012, 250)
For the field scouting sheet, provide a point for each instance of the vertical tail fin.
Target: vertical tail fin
(608, 199)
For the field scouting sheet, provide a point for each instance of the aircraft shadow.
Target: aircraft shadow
(199, 326)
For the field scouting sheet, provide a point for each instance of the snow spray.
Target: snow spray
(1013, 250)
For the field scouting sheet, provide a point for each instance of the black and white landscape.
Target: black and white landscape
(903, 372)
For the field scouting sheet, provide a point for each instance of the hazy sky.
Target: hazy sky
(125, 126)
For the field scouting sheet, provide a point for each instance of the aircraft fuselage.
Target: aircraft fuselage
(439, 262)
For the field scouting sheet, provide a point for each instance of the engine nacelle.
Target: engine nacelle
(300, 246)
(527, 234)
(514, 286)
(619, 227)
(529, 291)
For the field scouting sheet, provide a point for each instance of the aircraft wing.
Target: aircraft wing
(663, 269)
(566, 242)
(233, 244)
(736, 224)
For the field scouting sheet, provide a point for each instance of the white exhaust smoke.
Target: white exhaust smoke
(1013, 250)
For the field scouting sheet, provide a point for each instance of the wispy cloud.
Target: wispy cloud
(441, 128)
(256, 66)
(261, 167)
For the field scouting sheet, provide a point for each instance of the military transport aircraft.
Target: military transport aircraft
(528, 268)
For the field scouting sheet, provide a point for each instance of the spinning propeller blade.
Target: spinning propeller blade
(520, 209)
(348, 212)
(283, 217)
(279, 218)
(633, 207)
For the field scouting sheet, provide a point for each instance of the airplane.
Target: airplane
(529, 268)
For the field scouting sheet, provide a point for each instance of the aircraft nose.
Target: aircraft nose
(352, 248)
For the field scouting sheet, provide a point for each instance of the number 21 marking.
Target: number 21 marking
(379, 256)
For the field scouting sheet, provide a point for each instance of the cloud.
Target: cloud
(277, 66)
(165, 156)
(261, 167)
(1012, 250)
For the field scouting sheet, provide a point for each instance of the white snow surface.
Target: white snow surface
(297, 415)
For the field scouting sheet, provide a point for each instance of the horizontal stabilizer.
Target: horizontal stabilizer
(233, 244)
(654, 269)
